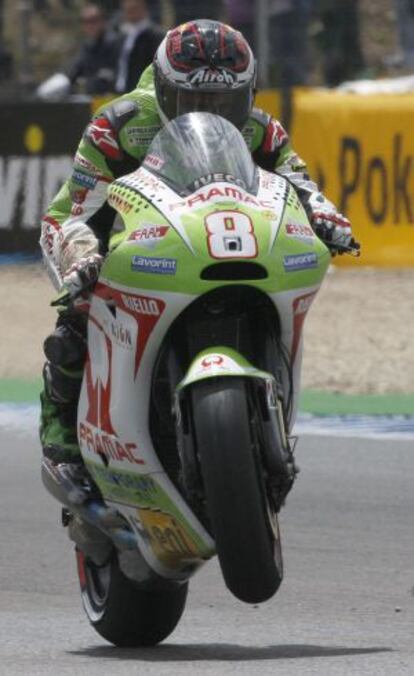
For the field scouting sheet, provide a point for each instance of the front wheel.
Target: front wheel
(247, 542)
(122, 612)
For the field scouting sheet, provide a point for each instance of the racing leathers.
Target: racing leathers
(78, 223)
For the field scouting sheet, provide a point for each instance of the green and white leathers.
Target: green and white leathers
(115, 143)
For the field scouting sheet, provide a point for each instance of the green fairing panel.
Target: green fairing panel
(143, 492)
(189, 266)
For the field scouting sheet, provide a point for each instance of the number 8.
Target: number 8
(230, 235)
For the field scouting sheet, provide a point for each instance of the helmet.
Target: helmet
(205, 66)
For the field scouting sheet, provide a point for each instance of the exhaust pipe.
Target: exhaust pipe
(59, 482)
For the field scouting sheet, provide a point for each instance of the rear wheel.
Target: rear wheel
(234, 488)
(122, 612)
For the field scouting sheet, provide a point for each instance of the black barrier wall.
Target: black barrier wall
(37, 144)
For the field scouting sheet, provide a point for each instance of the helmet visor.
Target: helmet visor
(234, 105)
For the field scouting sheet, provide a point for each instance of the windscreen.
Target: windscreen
(201, 148)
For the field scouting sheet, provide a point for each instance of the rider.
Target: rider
(200, 66)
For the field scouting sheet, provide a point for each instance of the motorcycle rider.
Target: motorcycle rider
(200, 66)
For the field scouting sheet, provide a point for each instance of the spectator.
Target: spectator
(189, 10)
(240, 15)
(340, 41)
(405, 25)
(288, 41)
(97, 59)
(6, 64)
(96, 62)
(140, 44)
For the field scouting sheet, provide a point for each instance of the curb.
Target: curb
(312, 401)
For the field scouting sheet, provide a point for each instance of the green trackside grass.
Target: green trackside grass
(319, 403)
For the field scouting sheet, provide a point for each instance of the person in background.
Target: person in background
(240, 14)
(6, 63)
(95, 64)
(188, 10)
(340, 40)
(289, 41)
(142, 38)
(405, 26)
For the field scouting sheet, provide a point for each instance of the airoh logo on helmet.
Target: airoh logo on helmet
(208, 76)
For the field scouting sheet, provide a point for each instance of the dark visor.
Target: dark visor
(234, 105)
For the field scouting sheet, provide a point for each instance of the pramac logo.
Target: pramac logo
(213, 360)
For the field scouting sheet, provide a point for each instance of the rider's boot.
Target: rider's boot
(63, 470)
(65, 350)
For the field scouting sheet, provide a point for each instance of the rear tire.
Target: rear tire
(121, 612)
(234, 488)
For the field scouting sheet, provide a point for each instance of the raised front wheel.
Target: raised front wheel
(245, 532)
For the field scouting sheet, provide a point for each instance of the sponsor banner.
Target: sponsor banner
(158, 266)
(149, 235)
(36, 157)
(298, 262)
(360, 151)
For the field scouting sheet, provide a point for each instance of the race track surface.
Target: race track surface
(346, 606)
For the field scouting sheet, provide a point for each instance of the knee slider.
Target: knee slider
(65, 346)
(62, 386)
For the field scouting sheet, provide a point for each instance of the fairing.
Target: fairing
(156, 270)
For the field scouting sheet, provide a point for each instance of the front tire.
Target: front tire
(121, 612)
(234, 488)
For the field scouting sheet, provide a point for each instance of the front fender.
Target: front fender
(223, 362)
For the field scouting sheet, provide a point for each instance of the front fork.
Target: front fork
(267, 419)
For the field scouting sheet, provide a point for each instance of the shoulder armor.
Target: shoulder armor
(260, 117)
(120, 112)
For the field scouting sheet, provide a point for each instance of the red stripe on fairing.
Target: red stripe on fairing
(99, 396)
(146, 322)
(298, 320)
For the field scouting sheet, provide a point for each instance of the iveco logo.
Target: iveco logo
(207, 76)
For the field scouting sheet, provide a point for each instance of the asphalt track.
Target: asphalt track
(346, 605)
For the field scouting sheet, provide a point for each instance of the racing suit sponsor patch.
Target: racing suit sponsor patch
(79, 196)
(101, 133)
(83, 162)
(84, 180)
(303, 261)
(137, 136)
(158, 266)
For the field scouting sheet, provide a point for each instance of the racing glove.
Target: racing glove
(334, 230)
(83, 275)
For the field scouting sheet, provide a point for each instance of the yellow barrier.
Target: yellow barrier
(267, 99)
(270, 100)
(360, 149)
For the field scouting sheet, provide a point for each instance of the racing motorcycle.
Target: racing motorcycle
(191, 382)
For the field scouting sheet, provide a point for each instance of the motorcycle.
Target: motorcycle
(191, 383)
